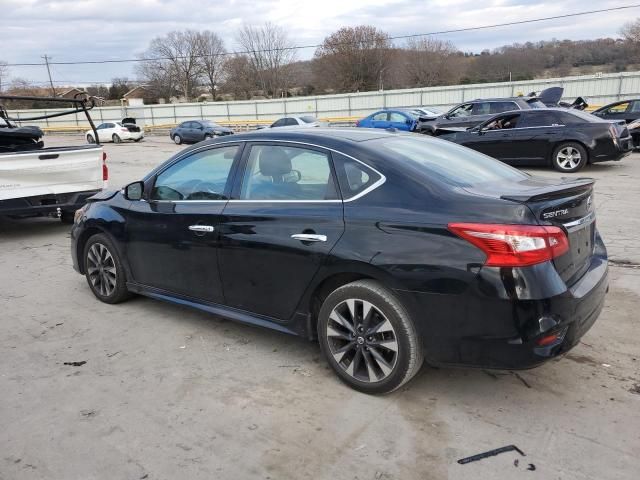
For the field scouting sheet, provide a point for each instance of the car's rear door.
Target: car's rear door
(285, 217)
(173, 235)
(380, 120)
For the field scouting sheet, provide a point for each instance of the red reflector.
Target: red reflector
(514, 245)
(105, 169)
(548, 339)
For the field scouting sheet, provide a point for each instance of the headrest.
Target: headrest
(274, 165)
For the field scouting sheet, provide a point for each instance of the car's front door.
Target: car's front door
(380, 120)
(173, 234)
(285, 217)
(461, 116)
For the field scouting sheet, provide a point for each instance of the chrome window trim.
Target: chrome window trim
(367, 190)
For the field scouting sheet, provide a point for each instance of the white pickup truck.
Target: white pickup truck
(46, 181)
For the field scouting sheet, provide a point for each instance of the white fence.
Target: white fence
(597, 89)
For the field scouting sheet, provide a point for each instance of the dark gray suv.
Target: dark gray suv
(469, 114)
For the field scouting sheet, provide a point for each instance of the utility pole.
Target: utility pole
(46, 61)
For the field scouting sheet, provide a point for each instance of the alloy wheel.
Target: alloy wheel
(362, 340)
(101, 269)
(568, 158)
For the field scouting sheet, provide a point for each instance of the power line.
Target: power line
(303, 47)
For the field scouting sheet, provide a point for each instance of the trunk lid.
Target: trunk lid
(130, 124)
(567, 203)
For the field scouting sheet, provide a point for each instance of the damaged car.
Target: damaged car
(565, 139)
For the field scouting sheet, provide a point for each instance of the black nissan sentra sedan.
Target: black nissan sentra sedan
(389, 248)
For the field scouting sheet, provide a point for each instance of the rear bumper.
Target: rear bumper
(492, 325)
(132, 135)
(619, 150)
(45, 204)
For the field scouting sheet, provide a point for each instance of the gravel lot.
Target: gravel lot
(170, 393)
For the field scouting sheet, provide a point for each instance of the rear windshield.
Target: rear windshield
(448, 162)
(584, 116)
(308, 119)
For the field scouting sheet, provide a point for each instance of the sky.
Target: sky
(75, 30)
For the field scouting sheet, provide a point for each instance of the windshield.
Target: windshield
(586, 116)
(209, 123)
(308, 119)
(453, 164)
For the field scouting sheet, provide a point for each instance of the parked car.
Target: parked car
(296, 121)
(116, 132)
(387, 247)
(470, 114)
(565, 139)
(627, 110)
(399, 119)
(193, 131)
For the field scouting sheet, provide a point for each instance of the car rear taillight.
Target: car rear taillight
(514, 245)
(124, 129)
(357, 123)
(105, 169)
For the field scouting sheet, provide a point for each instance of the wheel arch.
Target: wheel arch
(328, 280)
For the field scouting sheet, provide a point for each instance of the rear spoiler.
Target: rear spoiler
(569, 187)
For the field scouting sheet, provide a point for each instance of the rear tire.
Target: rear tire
(177, 139)
(368, 338)
(116, 138)
(104, 271)
(569, 157)
(137, 140)
(90, 139)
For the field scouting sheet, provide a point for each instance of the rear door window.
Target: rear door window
(380, 117)
(539, 119)
(482, 108)
(289, 122)
(278, 172)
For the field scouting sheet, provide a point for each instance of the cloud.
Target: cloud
(71, 30)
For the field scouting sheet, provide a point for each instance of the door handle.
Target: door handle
(201, 228)
(309, 237)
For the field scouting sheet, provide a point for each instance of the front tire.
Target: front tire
(116, 138)
(368, 338)
(90, 139)
(104, 271)
(177, 139)
(569, 157)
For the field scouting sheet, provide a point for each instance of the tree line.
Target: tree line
(193, 64)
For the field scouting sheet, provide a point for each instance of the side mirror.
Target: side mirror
(134, 191)
(409, 122)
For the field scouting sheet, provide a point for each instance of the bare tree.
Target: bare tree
(269, 52)
(159, 76)
(4, 74)
(429, 61)
(631, 31)
(353, 59)
(181, 51)
(239, 79)
(212, 58)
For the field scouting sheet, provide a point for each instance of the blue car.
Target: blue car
(398, 119)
